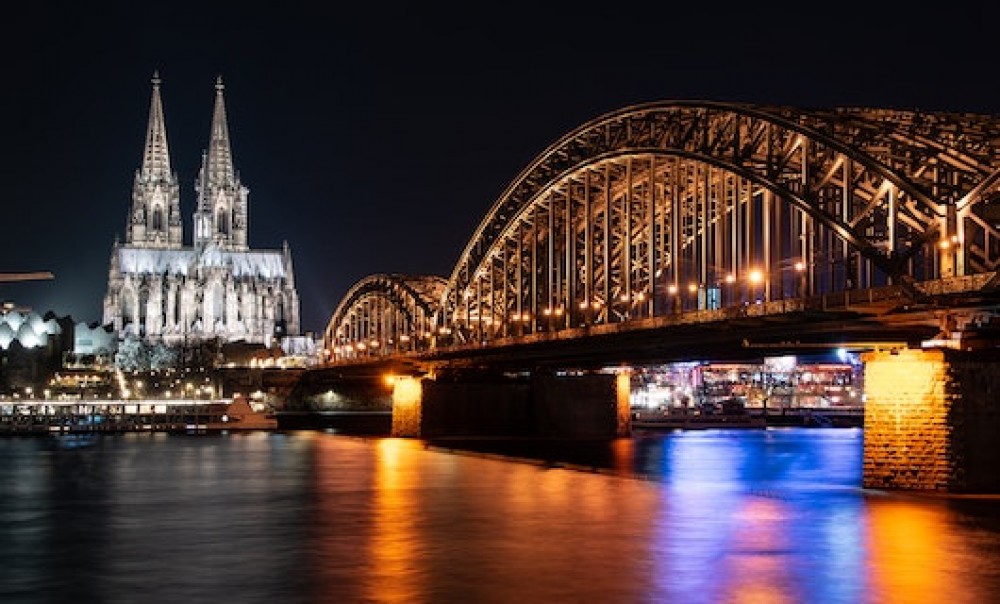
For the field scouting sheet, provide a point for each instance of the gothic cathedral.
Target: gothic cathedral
(161, 290)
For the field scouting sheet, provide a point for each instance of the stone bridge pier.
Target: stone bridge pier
(932, 420)
(543, 404)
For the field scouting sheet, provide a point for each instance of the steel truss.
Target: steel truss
(674, 206)
(385, 314)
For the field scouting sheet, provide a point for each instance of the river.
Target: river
(307, 516)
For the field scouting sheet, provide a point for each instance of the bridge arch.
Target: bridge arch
(384, 314)
(670, 206)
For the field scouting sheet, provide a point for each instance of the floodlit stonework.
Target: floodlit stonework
(217, 288)
(931, 420)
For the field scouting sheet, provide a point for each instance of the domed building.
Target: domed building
(27, 328)
(160, 289)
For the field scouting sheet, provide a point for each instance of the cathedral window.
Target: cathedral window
(128, 308)
(218, 302)
(141, 314)
(222, 222)
(157, 219)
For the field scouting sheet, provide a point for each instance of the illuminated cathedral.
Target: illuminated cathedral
(162, 290)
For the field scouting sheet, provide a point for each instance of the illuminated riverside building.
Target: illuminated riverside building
(218, 288)
(785, 382)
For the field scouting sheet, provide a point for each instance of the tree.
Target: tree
(162, 356)
(133, 355)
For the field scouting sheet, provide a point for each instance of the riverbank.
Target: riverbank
(81, 417)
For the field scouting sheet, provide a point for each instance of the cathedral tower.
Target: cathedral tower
(221, 214)
(155, 220)
(217, 289)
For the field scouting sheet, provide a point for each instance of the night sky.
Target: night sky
(376, 137)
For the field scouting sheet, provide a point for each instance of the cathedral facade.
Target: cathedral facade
(161, 289)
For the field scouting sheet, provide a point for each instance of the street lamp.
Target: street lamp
(755, 277)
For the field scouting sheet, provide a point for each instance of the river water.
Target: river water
(306, 516)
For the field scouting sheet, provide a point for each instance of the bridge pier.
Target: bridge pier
(931, 420)
(588, 405)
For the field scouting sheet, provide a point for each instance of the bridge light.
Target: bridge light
(756, 276)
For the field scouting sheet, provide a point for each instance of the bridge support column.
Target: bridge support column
(407, 400)
(584, 406)
(931, 420)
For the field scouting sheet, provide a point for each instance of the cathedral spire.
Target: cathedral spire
(155, 218)
(220, 155)
(156, 156)
(221, 213)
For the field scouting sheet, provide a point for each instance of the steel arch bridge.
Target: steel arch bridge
(385, 314)
(670, 207)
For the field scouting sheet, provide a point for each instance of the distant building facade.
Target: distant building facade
(160, 289)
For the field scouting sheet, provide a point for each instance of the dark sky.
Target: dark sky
(375, 137)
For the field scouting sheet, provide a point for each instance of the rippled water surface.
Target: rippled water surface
(702, 516)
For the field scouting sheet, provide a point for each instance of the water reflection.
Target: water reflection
(712, 516)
